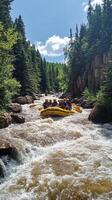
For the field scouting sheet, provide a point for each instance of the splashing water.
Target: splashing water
(66, 159)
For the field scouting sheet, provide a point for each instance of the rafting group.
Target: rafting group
(64, 104)
(60, 108)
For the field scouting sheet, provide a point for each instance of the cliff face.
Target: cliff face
(92, 76)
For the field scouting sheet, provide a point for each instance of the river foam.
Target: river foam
(66, 159)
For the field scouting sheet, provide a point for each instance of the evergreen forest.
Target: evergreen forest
(91, 40)
(23, 70)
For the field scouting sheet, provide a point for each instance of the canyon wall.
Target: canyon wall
(92, 76)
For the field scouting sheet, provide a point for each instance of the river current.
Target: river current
(61, 159)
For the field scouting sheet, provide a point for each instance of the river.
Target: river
(66, 159)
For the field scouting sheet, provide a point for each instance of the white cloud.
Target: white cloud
(93, 2)
(53, 47)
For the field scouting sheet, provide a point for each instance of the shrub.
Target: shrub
(89, 95)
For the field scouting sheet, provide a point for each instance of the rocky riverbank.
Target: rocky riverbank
(14, 114)
(99, 114)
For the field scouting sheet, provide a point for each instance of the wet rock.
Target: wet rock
(65, 95)
(21, 100)
(87, 104)
(18, 119)
(83, 103)
(15, 107)
(24, 100)
(5, 120)
(2, 169)
(75, 100)
(78, 101)
(34, 96)
(7, 149)
(39, 95)
(100, 114)
(29, 99)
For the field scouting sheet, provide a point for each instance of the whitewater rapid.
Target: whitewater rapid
(62, 159)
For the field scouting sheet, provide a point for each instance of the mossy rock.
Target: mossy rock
(5, 120)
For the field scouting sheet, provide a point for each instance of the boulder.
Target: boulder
(24, 100)
(7, 149)
(29, 99)
(87, 104)
(21, 100)
(75, 100)
(65, 95)
(100, 114)
(83, 103)
(78, 101)
(2, 169)
(15, 107)
(5, 120)
(34, 96)
(39, 95)
(17, 119)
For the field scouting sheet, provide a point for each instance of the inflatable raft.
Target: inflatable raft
(56, 111)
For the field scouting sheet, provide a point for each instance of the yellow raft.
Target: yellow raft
(56, 111)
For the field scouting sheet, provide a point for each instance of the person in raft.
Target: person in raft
(64, 104)
(46, 104)
(55, 103)
(61, 104)
(69, 105)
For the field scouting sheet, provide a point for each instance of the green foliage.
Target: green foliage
(8, 85)
(57, 77)
(89, 95)
(94, 38)
(27, 61)
(5, 7)
(104, 96)
(100, 97)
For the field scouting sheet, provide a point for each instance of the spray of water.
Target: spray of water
(66, 159)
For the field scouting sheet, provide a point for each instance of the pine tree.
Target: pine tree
(43, 82)
(27, 61)
(5, 7)
(90, 11)
(107, 24)
(19, 26)
(20, 62)
(8, 85)
(107, 87)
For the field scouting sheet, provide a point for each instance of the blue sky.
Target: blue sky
(48, 22)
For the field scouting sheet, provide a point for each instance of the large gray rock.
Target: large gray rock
(87, 104)
(24, 100)
(2, 169)
(29, 99)
(17, 119)
(83, 103)
(7, 149)
(5, 120)
(15, 107)
(100, 114)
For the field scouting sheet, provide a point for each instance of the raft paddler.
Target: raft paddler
(55, 103)
(60, 104)
(69, 105)
(50, 103)
(46, 104)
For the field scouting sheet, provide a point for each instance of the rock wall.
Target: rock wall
(92, 76)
